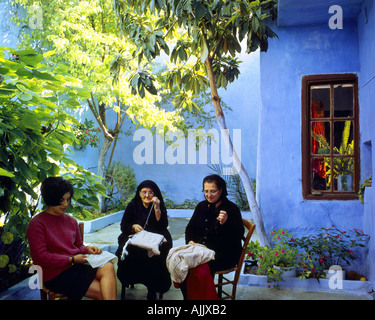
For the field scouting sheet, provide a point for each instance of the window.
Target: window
(330, 137)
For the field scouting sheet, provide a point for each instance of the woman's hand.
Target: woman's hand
(222, 217)
(94, 250)
(191, 242)
(78, 258)
(137, 228)
(156, 202)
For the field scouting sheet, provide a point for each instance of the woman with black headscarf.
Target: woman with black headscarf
(137, 267)
(217, 224)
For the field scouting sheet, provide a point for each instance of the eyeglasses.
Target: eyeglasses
(146, 193)
(211, 192)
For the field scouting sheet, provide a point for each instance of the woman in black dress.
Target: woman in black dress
(217, 224)
(137, 267)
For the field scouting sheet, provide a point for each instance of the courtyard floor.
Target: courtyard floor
(107, 239)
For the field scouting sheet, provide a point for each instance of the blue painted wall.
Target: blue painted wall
(305, 50)
(366, 32)
(89, 156)
(299, 51)
(8, 30)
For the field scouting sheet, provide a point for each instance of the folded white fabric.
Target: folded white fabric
(145, 240)
(181, 259)
(99, 260)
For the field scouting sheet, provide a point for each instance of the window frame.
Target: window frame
(306, 137)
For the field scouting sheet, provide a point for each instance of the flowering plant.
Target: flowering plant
(253, 251)
(282, 253)
(252, 255)
(331, 246)
(86, 134)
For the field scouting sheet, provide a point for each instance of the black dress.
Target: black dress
(224, 239)
(137, 267)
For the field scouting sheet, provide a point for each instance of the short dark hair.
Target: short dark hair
(220, 183)
(53, 189)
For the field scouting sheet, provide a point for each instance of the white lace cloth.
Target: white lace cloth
(145, 240)
(99, 260)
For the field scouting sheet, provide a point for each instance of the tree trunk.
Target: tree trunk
(101, 168)
(109, 135)
(257, 216)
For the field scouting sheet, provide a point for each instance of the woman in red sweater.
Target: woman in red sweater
(56, 245)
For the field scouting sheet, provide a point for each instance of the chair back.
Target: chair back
(250, 229)
(222, 280)
(81, 229)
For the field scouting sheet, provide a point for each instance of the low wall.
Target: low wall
(360, 288)
(99, 223)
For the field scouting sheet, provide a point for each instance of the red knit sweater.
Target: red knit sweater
(53, 239)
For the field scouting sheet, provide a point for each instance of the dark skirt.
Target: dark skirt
(73, 282)
(152, 272)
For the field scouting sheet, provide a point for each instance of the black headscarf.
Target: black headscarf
(157, 193)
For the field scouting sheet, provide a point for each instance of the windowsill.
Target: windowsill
(325, 196)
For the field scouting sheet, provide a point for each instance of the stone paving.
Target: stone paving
(107, 239)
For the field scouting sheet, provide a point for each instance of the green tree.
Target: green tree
(35, 130)
(206, 36)
(86, 39)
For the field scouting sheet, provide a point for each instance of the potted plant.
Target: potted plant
(281, 259)
(366, 183)
(342, 168)
(252, 256)
(331, 246)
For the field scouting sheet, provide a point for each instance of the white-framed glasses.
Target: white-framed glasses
(146, 193)
(211, 192)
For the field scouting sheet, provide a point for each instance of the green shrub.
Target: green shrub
(121, 185)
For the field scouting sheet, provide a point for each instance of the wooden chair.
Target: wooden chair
(46, 294)
(237, 269)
